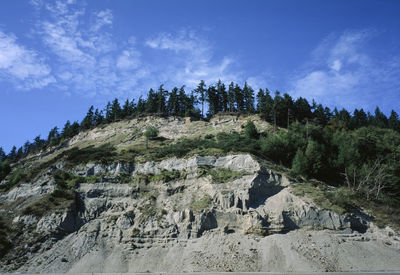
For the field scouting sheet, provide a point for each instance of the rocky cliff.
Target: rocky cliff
(199, 213)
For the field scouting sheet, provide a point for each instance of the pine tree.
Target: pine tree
(300, 164)
(98, 117)
(88, 120)
(141, 106)
(12, 154)
(231, 97)
(261, 102)
(108, 112)
(302, 109)
(380, 119)
(53, 135)
(161, 99)
(116, 111)
(222, 97)
(3, 155)
(128, 109)
(394, 122)
(239, 97)
(213, 100)
(248, 94)
(27, 148)
(201, 92)
(66, 132)
(250, 130)
(173, 104)
(151, 103)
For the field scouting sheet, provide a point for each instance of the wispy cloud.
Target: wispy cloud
(341, 72)
(83, 55)
(22, 66)
(191, 59)
(88, 59)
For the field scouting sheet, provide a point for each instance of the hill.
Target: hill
(198, 196)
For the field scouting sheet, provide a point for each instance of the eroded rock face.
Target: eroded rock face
(121, 227)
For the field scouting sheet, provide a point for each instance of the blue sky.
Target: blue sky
(59, 57)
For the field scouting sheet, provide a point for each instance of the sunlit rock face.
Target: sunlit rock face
(244, 219)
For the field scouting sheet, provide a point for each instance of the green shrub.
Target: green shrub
(198, 205)
(49, 203)
(250, 130)
(5, 169)
(167, 176)
(124, 178)
(151, 132)
(221, 175)
(104, 154)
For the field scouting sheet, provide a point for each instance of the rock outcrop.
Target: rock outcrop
(184, 215)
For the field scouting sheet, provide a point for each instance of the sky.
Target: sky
(59, 57)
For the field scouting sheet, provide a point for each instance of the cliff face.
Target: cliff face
(201, 213)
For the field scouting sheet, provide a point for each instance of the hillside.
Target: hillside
(201, 196)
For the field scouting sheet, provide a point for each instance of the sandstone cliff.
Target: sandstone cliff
(198, 213)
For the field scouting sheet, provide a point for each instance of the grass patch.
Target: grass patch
(221, 175)
(334, 199)
(342, 200)
(50, 203)
(5, 242)
(104, 154)
(124, 178)
(65, 180)
(167, 176)
(197, 205)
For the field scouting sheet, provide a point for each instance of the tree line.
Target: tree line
(206, 101)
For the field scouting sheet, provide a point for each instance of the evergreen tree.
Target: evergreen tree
(239, 97)
(161, 99)
(108, 111)
(279, 111)
(27, 148)
(302, 109)
(66, 132)
(201, 92)
(380, 119)
(359, 119)
(3, 155)
(173, 103)
(116, 111)
(222, 97)
(213, 100)
(141, 106)
(250, 130)
(74, 128)
(12, 154)
(231, 97)
(128, 109)
(261, 102)
(248, 94)
(150, 133)
(98, 117)
(151, 103)
(38, 143)
(53, 137)
(88, 120)
(20, 153)
(300, 164)
(394, 122)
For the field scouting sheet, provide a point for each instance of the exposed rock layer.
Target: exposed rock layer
(191, 223)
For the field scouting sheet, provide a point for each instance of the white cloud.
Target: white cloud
(88, 58)
(341, 73)
(192, 59)
(21, 65)
(103, 18)
(128, 59)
